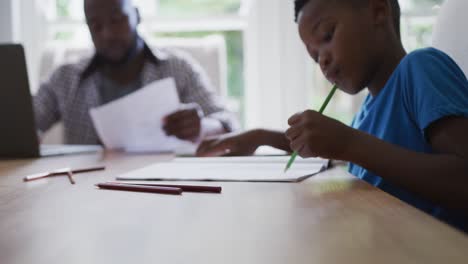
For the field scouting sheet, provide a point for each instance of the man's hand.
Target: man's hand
(185, 124)
(314, 135)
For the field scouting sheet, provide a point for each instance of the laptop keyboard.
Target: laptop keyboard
(55, 150)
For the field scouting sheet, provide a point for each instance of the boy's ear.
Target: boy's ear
(381, 12)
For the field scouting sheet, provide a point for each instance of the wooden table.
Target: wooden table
(329, 218)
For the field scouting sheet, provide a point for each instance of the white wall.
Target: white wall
(278, 71)
(22, 22)
(8, 21)
(33, 28)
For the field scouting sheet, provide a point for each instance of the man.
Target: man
(122, 64)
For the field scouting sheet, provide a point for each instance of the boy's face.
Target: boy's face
(339, 38)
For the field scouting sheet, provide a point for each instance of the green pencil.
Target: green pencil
(324, 105)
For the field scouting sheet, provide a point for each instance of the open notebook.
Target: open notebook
(252, 169)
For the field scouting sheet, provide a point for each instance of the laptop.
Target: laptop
(18, 133)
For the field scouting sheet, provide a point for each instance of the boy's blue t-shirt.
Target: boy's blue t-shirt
(426, 86)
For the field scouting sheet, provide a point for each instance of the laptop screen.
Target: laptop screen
(18, 136)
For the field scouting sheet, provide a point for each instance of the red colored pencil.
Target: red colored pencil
(185, 188)
(136, 188)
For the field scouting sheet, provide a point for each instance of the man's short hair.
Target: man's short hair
(395, 6)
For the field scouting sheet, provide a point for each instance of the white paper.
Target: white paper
(253, 169)
(135, 121)
(249, 159)
(270, 151)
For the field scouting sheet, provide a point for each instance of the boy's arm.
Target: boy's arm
(273, 139)
(441, 178)
(243, 144)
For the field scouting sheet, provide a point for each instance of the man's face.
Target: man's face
(112, 24)
(339, 38)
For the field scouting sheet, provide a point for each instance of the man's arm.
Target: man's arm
(46, 109)
(198, 89)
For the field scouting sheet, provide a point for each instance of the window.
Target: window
(261, 38)
(168, 18)
(417, 22)
(198, 8)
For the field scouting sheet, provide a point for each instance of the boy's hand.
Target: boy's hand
(243, 144)
(185, 124)
(314, 135)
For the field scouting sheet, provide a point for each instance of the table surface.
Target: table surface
(329, 218)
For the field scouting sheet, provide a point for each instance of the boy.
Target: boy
(410, 137)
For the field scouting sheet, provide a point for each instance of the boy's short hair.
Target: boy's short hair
(395, 6)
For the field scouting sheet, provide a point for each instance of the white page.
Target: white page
(257, 169)
(134, 122)
(250, 159)
(269, 151)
